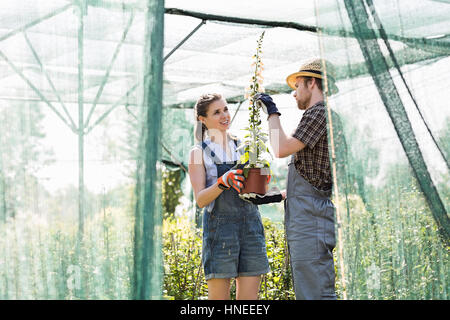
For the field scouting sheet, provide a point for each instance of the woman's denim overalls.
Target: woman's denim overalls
(233, 235)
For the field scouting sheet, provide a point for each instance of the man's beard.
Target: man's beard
(303, 103)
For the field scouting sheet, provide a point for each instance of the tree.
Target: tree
(22, 155)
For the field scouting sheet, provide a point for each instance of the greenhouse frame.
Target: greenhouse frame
(97, 121)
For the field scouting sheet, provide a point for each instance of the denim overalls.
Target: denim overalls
(233, 235)
(309, 222)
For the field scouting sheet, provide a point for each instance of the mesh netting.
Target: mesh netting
(80, 212)
(390, 153)
(94, 139)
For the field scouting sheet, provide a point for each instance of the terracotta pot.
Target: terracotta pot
(255, 182)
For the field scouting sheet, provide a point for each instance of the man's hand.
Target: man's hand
(273, 195)
(266, 103)
(232, 178)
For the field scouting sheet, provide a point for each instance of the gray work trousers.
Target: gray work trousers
(309, 223)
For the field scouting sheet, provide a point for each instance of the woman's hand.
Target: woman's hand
(203, 196)
(232, 178)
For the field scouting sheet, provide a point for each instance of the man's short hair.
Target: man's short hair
(306, 80)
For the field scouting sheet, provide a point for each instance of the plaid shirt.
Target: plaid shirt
(313, 162)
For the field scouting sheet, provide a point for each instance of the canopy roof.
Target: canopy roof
(217, 57)
(69, 66)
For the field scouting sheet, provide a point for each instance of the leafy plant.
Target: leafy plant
(256, 152)
(171, 191)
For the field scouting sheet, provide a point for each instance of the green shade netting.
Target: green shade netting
(92, 135)
(80, 113)
(390, 129)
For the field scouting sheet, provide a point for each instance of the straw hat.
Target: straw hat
(313, 68)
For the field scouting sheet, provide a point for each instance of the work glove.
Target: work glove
(265, 102)
(273, 195)
(232, 178)
(239, 166)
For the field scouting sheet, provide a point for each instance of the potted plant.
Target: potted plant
(256, 155)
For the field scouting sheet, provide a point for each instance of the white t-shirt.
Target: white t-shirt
(210, 166)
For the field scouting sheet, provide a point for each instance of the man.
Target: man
(309, 212)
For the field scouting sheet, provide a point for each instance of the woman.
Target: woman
(233, 235)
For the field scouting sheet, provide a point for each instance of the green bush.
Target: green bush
(277, 284)
(182, 249)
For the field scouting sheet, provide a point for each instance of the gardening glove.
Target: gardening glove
(273, 195)
(265, 102)
(232, 178)
(240, 166)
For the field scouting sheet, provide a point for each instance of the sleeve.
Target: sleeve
(312, 127)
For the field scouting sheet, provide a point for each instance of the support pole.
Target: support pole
(35, 89)
(184, 40)
(50, 82)
(35, 22)
(237, 20)
(108, 71)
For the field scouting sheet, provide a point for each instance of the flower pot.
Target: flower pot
(256, 182)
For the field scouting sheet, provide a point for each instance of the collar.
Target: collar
(319, 103)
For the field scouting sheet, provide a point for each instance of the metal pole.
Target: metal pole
(47, 76)
(108, 71)
(35, 89)
(35, 22)
(184, 40)
(237, 20)
(134, 87)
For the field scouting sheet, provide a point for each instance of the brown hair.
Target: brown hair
(200, 109)
(318, 82)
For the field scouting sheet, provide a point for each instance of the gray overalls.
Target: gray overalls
(309, 222)
(233, 235)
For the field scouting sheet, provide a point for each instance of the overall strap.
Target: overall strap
(237, 142)
(210, 153)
